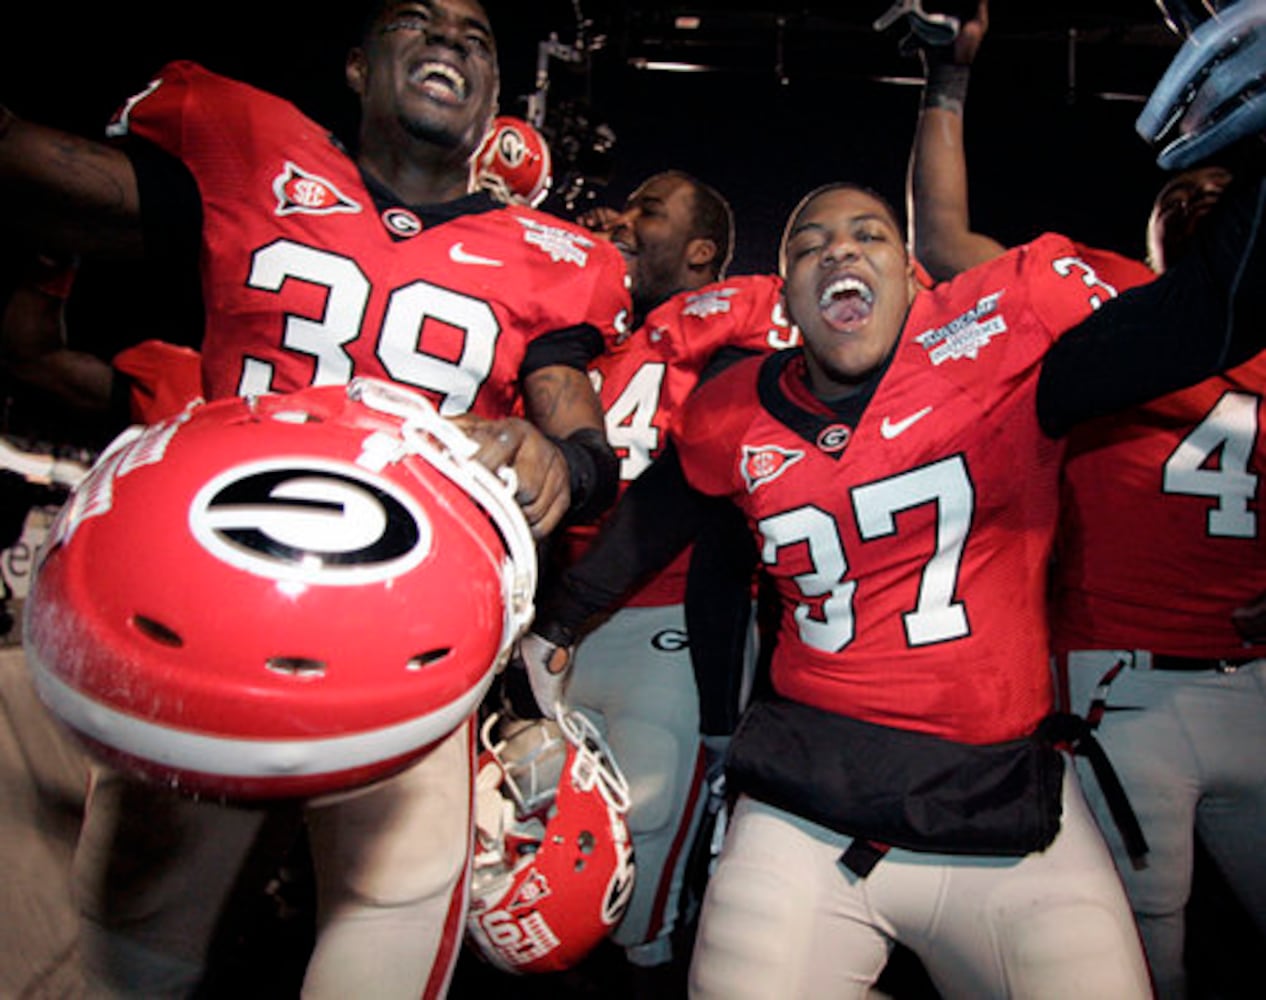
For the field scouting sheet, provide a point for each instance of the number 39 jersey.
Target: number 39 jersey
(910, 550)
(309, 280)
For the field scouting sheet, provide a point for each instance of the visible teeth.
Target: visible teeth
(445, 72)
(845, 286)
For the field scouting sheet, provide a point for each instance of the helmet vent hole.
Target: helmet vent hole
(297, 417)
(424, 660)
(157, 631)
(296, 666)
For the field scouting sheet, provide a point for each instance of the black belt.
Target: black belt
(1163, 661)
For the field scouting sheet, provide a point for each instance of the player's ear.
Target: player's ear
(701, 253)
(356, 70)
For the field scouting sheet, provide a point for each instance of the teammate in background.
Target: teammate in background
(317, 265)
(904, 782)
(143, 383)
(1159, 563)
(635, 674)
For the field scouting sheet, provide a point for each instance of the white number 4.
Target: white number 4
(1229, 432)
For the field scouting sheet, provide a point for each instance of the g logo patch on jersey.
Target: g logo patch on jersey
(312, 522)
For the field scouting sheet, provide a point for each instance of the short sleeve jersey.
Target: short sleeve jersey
(644, 379)
(910, 551)
(309, 280)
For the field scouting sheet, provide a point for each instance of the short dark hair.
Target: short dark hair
(816, 193)
(372, 11)
(713, 219)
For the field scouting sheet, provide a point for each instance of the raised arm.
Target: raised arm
(941, 236)
(66, 194)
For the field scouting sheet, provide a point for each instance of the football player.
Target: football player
(1159, 559)
(314, 265)
(635, 671)
(899, 475)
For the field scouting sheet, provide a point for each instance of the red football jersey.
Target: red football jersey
(910, 551)
(1161, 537)
(644, 379)
(307, 281)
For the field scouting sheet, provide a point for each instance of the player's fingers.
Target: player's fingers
(498, 440)
(544, 492)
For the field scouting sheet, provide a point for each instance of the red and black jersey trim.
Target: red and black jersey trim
(813, 426)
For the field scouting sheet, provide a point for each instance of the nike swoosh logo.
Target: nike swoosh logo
(890, 430)
(460, 256)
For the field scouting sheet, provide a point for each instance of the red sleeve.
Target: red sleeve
(1068, 281)
(708, 429)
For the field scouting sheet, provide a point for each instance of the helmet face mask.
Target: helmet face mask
(255, 599)
(553, 869)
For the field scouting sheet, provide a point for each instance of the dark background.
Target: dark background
(796, 94)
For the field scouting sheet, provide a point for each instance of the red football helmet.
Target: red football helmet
(283, 595)
(514, 162)
(553, 868)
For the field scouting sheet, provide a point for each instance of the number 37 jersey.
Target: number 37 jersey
(909, 549)
(308, 278)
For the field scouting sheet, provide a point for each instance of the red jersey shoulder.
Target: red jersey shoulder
(709, 429)
(1036, 290)
(585, 277)
(184, 92)
(745, 312)
(1069, 280)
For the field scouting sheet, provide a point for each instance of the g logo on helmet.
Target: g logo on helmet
(287, 595)
(513, 162)
(511, 146)
(553, 865)
(320, 523)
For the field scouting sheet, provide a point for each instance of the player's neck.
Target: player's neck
(416, 182)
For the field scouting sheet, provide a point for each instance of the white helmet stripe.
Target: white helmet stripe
(241, 758)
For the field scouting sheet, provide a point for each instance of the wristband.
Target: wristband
(593, 473)
(946, 86)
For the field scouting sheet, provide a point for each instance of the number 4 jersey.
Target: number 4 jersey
(910, 547)
(1162, 536)
(310, 275)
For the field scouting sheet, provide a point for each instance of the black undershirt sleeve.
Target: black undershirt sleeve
(718, 612)
(1205, 315)
(574, 346)
(658, 516)
(718, 602)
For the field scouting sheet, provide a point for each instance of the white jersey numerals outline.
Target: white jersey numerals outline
(1213, 460)
(409, 309)
(937, 616)
(630, 420)
(1068, 266)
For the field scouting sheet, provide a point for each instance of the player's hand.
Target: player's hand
(962, 51)
(548, 666)
(600, 220)
(544, 483)
(1250, 620)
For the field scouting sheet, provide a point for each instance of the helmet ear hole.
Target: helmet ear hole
(296, 666)
(156, 630)
(424, 660)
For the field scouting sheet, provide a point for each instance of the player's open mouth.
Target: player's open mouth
(441, 81)
(846, 300)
